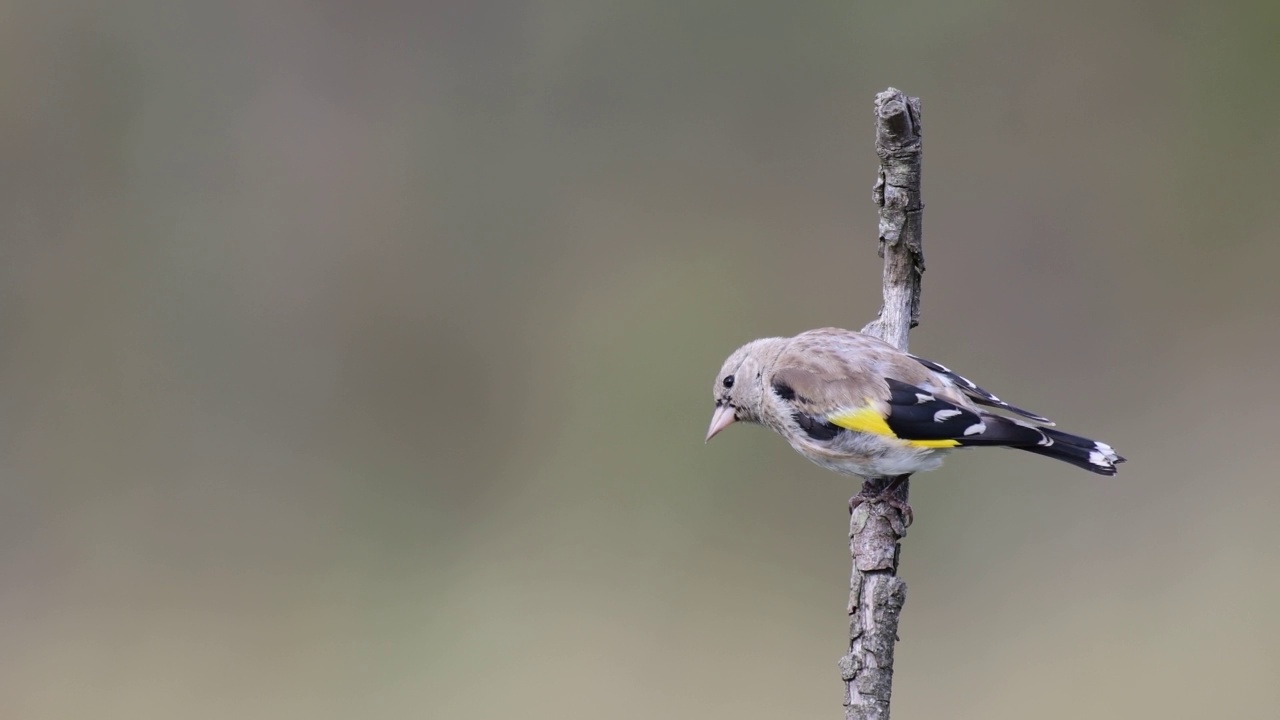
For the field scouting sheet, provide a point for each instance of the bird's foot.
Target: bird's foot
(888, 496)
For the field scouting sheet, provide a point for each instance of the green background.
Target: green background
(355, 358)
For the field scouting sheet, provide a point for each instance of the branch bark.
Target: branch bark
(876, 593)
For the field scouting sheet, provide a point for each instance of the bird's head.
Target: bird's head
(739, 387)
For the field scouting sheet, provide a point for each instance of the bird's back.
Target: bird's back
(838, 369)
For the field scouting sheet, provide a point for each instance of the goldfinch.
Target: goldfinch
(859, 406)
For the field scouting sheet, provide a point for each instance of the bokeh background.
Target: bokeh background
(355, 358)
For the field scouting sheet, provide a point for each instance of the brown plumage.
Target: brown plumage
(857, 405)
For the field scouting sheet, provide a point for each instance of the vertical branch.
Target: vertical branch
(897, 193)
(876, 593)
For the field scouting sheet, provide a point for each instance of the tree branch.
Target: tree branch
(876, 593)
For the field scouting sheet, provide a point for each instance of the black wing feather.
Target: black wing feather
(977, 394)
(916, 414)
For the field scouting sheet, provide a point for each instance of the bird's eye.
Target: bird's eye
(728, 381)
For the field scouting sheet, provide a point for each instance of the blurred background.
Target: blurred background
(357, 357)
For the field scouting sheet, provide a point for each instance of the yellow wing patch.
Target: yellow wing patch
(864, 419)
(867, 420)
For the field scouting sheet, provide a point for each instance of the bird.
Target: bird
(859, 406)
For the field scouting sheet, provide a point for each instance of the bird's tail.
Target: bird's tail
(1082, 452)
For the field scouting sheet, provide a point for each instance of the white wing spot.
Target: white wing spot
(945, 415)
(922, 398)
(1045, 440)
(975, 429)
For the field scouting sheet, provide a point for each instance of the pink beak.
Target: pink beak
(724, 416)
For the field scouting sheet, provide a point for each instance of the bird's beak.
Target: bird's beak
(724, 416)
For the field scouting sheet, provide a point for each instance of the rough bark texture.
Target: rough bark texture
(897, 193)
(876, 593)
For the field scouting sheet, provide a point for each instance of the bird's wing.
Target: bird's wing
(836, 380)
(920, 417)
(977, 394)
